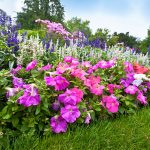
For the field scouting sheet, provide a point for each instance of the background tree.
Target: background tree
(76, 24)
(44, 9)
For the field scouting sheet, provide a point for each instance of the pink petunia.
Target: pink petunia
(71, 96)
(59, 82)
(131, 89)
(70, 113)
(58, 124)
(79, 73)
(110, 103)
(142, 98)
(62, 67)
(97, 89)
(47, 67)
(31, 65)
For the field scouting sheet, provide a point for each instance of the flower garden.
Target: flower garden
(48, 88)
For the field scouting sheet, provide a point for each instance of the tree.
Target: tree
(127, 39)
(76, 24)
(44, 9)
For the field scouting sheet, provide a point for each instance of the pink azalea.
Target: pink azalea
(58, 124)
(47, 67)
(111, 103)
(131, 89)
(71, 96)
(141, 98)
(70, 113)
(31, 65)
(97, 89)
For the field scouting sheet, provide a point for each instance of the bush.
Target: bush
(68, 92)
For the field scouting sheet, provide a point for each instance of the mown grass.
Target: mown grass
(124, 133)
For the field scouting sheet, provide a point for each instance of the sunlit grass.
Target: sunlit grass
(126, 132)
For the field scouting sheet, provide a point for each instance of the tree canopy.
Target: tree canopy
(44, 9)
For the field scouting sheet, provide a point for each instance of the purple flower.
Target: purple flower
(131, 89)
(14, 71)
(142, 98)
(18, 82)
(47, 67)
(71, 97)
(58, 124)
(31, 65)
(30, 97)
(88, 118)
(128, 67)
(56, 105)
(59, 82)
(103, 64)
(11, 91)
(70, 113)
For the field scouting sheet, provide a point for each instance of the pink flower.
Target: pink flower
(141, 98)
(30, 97)
(50, 81)
(70, 113)
(86, 64)
(103, 64)
(47, 67)
(31, 65)
(97, 89)
(74, 62)
(61, 68)
(111, 63)
(111, 103)
(58, 124)
(92, 80)
(59, 82)
(131, 89)
(18, 82)
(111, 88)
(71, 97)
(79, 73)
(12, 91)
(128, 67)
(56, 105)
(68, 59)
(88, 118)
(14, 71)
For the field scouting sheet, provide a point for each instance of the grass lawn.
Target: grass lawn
(125, 133)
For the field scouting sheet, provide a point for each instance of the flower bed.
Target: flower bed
(50, 98)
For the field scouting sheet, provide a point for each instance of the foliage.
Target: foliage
(76, 24)
(35, 9)
(40, 93)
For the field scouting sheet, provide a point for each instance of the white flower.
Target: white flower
(137, 82)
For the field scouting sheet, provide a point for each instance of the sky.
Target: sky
(116, 15)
